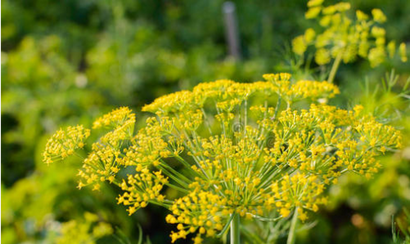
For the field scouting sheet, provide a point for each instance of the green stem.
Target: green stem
(277, 107)
(291, 237)
(335, 67)
(235, 229)
(246, 116)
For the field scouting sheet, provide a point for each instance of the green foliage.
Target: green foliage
(401, 228)
(61, 59)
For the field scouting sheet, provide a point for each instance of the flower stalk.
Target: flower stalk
(235, 229)
(291, 236)
(335, 67)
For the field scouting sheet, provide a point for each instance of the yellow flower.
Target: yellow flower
(87, 229)
(64, 142)
(344, 37)
(361, 16)
(403, 52)
(391, 48)
(309, 35)
(231, 148)
(322, 56)
(116, 117)
(313, 3)
(378, 15)
(376, 56)
(314, 89)
(312, 12)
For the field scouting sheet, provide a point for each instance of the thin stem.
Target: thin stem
(235, 229)
(277, 107)
(207, 122)
(291, 237)
(177, 188)
(335, 67)
(246, 116)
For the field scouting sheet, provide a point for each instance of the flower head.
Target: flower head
(64, 143)
(343, 37)
(233, 148)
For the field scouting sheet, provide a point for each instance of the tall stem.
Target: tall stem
(235, 229)
(335, 67)
(277, 107)
(291, 237)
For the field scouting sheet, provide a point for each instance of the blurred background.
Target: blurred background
(67, 62)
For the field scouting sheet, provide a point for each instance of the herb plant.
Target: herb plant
(232, 151)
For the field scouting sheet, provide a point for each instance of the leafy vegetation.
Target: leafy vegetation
(65, 63)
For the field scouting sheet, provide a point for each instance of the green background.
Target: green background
(68, 62)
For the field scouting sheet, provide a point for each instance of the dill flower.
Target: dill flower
(403, 52)
(86, 230)
(343, 38)
(378, 15)
(236, 150)
(121, 116)
(64, 143)
(103, 162)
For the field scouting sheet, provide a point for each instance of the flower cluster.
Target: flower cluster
(345, 38)
(64, 143)
(103, 163)
(142, 188)
(234, 149)
(87, 230)
(121, 116)
(201, 212)
(313, 89)
(299, 190)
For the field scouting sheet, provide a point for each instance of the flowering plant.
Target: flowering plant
(231, 150)
(344, 38)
